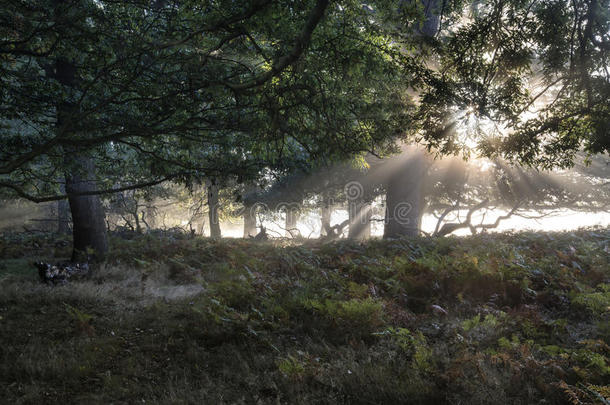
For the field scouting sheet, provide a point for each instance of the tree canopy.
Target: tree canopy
(157, 90)
(524, 80)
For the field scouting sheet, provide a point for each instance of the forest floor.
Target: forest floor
(518, 318)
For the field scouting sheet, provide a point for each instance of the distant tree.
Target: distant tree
(521, 82)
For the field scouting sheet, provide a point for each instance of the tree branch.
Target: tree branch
(454, 226)
(283, 62)
(24, 194)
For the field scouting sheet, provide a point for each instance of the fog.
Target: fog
(498, 196)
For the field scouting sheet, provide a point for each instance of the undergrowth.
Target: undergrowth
(503, 318)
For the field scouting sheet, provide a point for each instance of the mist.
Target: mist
(516, 197)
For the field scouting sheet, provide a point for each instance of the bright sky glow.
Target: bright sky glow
(563, 220)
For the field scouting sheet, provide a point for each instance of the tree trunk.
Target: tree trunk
(404, 200)
(136, 217)
(249, 201)
(292, 217)
(249, 221)
(63, 214)
(88, 227)
(149, 216)
(432, 11)
(326, 212)
(63, 220)
(404, 186)
(359, 219)
(212, 189)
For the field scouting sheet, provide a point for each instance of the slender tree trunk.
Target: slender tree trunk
(404, 199)
(212, 189)
(249, 221)
(136, 217)
(151, 216)
(326, 213)
(249, 210)
(88, 227)
(360, 214)
(292, 217)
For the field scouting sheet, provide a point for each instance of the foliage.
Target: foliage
(597, 302)
(522, 80)
(342, 322)
(159, 90)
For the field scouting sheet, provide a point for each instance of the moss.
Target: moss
(504, 343)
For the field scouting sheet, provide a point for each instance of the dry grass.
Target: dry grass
(202, 321)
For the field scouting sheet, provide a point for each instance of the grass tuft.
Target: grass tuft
(504, 318)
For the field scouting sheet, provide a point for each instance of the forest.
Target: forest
(295, 202)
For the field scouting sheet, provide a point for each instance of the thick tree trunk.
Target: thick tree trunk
(63, 220)
(63, 214)
(359, 219)
(404, 199)
(88, 227)
(432, 11)
(404, 186)
(212, 189)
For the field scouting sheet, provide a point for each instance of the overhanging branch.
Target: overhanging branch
(24, 194)
(299, 47)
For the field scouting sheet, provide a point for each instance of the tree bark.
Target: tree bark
(404, 186)
(432, 12)
(136, 217)
(249, 221)
(292, 217)
(326, 213)
(212, 189)
(360, 214)
(63, 214)
(88, 227)
(404, 199)
(249, 200)
(151, 216)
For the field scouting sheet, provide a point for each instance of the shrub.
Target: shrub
(597, 302)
